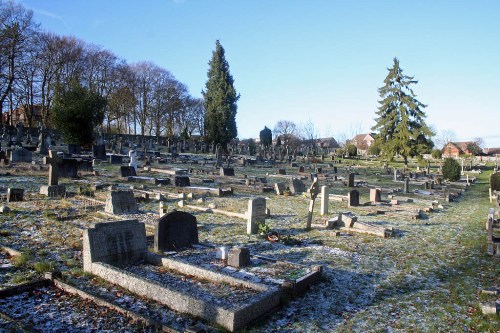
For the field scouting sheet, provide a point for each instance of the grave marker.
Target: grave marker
(375, 195)
(120, 202)
(350, 182)
(256, 214)
(313, 193)
(175, 230)
(353, 198)
(15, 194)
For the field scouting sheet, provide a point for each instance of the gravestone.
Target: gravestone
(226, 171)
(15, 194)
(181, 181)
(313, 194)
(297, 186)
(279, 188)
(121, 202)
(74, 149)
(133, 159)
(335, 169)
(238, 257)
(53, 189)
(127, 171)
(375, 195)
(21, 155)
(301, 168)
(406, 185)
(281, 171)
(395, 174)
(99, 152)
(175, 230)
(115, 159)
(118, 243)
(350, 182)
(68, 168)
(325, 196)
(353, 198)
(256, 214)
(427, 185)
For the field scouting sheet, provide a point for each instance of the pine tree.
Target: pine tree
(401, 119)
(220, 100)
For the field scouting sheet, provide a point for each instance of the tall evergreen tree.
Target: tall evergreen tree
(400, 117)
(220, 100)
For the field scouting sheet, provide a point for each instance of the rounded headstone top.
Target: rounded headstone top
(4, 209)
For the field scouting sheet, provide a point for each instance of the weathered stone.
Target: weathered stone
(120, 202)
(227, 171)
(4, 209)
(239, 257)
(182, 181)
(353, 198)
(350, 182)
(15, 194)
(325, 199)
(175, 230)
(297, 186)
(21, 155)
(375, 195)
(127, 171)
(117, 243)
(256, 214)
(279, 188)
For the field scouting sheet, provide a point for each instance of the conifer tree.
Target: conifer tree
(400, 117)
(220, 100)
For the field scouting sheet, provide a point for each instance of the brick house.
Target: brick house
(363, 142)
(455, 149)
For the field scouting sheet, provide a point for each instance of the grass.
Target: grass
(43, 266)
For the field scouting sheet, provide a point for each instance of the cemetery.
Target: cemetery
(133, 202)
(245, 259)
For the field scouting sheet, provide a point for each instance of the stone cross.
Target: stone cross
(54, 162)
(313, 193)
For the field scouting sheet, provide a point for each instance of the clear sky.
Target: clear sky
(318, 60)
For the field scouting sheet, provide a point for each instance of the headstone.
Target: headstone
(226, 171)
(301, 168)
(427, 185)
(239, 257)
(182, 181)
(313, 193)
(127, 171)
(279, 188)
(395, 174)
(53, 189)
(375, 195)
(406, 188)
(133, 159)
(325, 196)
(281, 171)
(256, 214)
(175, 230)
(68, 168)
(74, 149)
(297, 186)
(117, 243)
(115, 159)
(121, 202)
(15, 194)
(350, 182)
(21, 155)
(335, 169)
(99, 151)
(353, 198)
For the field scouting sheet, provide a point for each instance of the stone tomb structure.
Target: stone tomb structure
(175, 230)
(121, 202)
(109, 248)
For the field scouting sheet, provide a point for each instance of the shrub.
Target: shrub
(374, 150)
(436, 154)
(351, 150)
(495, 181)
(451, 169)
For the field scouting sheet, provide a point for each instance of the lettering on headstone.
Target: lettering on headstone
(256, 214)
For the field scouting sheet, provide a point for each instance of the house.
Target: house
(492, 151)
(19, 115)
(455, 149)
(326, 143)
(363, 142)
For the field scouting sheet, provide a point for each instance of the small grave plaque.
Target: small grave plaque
(239, 257)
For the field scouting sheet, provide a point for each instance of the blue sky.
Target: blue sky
(318, 60)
